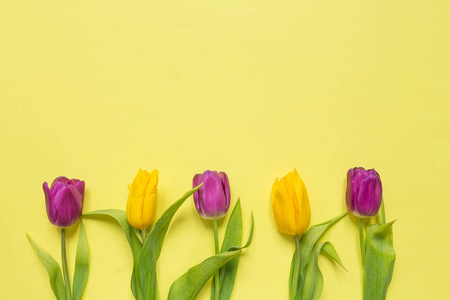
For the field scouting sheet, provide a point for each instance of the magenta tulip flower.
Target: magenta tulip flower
(364, 192)
(64, 201)
(212, 200)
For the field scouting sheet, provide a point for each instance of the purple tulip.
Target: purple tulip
(64, 201)
(212, 200)
(364, 192)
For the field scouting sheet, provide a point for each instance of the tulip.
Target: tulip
(212, 200)
(291, 204)
(364, 192)
(64, 201)
(141, 205)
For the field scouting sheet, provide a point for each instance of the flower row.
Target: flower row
(211, 193)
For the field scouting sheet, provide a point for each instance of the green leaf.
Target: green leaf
(291, 275)
(331, 252)
(53, 269)
(191, 283)
(250, 237)
(152, 248)
(121, 217)
(313, 285)
(136, 287)
(233, 237)
(135, 244)
(81, 264)
(307, 242)
(379, 261)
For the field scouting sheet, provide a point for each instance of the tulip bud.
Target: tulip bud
(291, 204)
(141, 205)
(64, 201)
(364, 192)
(212, 199)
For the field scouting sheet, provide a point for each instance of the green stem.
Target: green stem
(154, 291)
(144, 235)
(361, 240)
(294, 286)
(64, 264)
(383, 214)
(216, 275)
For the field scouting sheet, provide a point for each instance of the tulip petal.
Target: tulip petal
(68, 205)
(79, 185)
(369, 196)
(274, 201)
(358, 176)
(49, 203)
(61, 179)
(304, 211)
(197, 195)
(213, 200)
(349, 198)
(57, 186)
(135, 201)
(149, 205)
(226, 187)
(292, 209)
(284, 206)
(78, 197)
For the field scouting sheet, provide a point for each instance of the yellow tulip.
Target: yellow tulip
(141, 203)
(291, 204)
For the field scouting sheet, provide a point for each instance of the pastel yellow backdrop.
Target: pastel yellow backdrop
(96, 89)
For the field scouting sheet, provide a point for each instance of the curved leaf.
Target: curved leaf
(233, 237)
(81, 264)
(152, 248)
(331, 252)
(53, 270)
(313, 285)
(379, 261)
(191, 283)
(250, 237)
(135, 244)
(121, 217)
(309, 239)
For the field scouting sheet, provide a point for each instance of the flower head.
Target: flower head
(141, 205)
(212, 199)
(291, 204)
(64, 201)
(364, 192)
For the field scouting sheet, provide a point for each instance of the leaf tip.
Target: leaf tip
(29, 237)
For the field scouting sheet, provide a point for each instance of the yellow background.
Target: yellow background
(96, 89)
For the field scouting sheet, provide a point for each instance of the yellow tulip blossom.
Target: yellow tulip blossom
(141, 205)
(291, 204)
